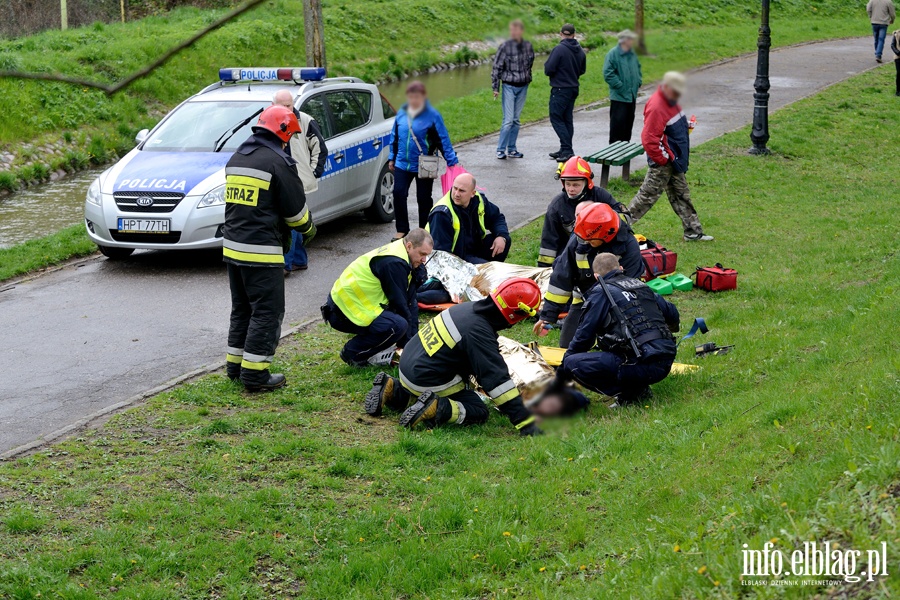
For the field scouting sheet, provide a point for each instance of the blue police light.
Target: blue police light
(272, 74)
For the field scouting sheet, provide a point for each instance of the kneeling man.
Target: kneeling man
(458, 343)
(633, 327)
(375, 298)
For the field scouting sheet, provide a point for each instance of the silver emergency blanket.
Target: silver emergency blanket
(467, 282)
(453, 272)
(492, 274)
(528, 369)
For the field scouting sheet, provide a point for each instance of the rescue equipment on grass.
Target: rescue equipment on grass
(716, 279)
(658, 260)
(712, 348)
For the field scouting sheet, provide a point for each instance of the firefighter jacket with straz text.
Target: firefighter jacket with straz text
(457, 343)
(572, 273)
(264, 199)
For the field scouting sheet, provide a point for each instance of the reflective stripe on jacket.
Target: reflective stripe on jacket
(358, 292)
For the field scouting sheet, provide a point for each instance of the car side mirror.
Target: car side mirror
(141, 135)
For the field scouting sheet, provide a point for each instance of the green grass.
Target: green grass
(394, 29)
(45, 251)
(208, 492)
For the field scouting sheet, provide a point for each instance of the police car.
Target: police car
(169, 191)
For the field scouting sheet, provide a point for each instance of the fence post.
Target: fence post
(63, 15)
(122, 8)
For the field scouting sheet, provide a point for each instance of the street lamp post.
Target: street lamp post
(760, 133)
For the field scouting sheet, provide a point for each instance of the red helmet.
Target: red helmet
(597, 222)
(280, 120)
(577, 168)
(517, 298)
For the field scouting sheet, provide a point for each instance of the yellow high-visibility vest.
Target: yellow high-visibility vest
(358, 292)
(446, 201)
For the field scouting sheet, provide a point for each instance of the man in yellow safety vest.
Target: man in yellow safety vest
(374, 299)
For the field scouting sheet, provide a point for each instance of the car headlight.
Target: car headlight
(93, 193)
(214, 197)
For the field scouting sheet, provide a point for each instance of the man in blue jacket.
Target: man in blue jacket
(565, 65)
(418, 129)
(467, 224)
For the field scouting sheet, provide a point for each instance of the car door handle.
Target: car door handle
(376, 143)
(339, 156)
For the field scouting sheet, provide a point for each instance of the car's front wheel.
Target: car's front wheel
(115, 253)
(382, 208)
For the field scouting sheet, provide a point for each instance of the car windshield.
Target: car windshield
(196, 126)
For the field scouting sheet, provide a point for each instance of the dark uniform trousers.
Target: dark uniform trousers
(388, 329)
(472, 409)
(257, 310)
(608, 373)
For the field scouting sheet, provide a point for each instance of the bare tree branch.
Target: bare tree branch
(111, 89)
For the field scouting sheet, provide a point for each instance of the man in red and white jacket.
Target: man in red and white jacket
(665, 140)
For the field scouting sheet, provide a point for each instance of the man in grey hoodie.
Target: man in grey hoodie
(881, 14)
(565, 65)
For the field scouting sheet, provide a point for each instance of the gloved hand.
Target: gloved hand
(309, 235)
(531, 430)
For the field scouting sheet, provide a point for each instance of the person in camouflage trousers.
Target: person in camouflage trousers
(665, 139)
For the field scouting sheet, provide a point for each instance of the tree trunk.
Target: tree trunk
(314, 29)
(63, 15)
(639, 26)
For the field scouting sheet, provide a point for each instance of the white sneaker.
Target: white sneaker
(384, 358)
(699, 237)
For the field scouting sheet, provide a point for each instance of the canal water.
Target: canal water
(47, 208)
(44, 209)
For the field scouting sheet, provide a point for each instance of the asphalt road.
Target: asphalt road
(86, 337)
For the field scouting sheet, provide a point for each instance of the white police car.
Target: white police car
(168, 192)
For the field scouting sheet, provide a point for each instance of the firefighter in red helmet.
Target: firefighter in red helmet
(458, 343)
(264, 200)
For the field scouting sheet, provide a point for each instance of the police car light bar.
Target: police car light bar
(272, 74)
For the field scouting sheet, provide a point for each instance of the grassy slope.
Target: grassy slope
(368, 39)
(45, 251)
(206, 492)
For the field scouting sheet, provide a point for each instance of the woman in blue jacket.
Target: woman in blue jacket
(416, 118)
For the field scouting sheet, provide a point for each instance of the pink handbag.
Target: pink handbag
(449, 175)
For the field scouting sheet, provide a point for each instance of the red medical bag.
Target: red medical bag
(716, 279)
(658, 260)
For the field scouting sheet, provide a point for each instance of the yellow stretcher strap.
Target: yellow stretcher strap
(554, 357)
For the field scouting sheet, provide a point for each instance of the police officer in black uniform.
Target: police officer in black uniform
(632, 325)
(458, 343)
(598, 228)
(264, 200)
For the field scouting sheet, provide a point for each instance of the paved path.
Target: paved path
(84, 338)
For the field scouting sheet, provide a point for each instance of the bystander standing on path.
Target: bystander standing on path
(511, 75)
(881, 14)
(622, 72)
(668, 147)
(895, 48)
(565, 65)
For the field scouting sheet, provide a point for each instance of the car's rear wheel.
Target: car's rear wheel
(382, 207)
(115, 253)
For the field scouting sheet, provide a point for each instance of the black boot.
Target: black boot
(386, 391)
(634, 396)
(275, 381)
(430, 410)
(233, 371)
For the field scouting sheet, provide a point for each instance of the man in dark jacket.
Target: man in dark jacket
(375, 299)
(622, 72)
(457, 344)
(263, 199)
(598, 228)
(559, 222)
(666, 142)
(467, 224)
(633, 326)
(512, 74)
(565, 65)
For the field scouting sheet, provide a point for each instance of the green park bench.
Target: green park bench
(618, 154)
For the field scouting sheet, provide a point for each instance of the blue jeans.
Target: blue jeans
(562, 105)
(879, 32)
(297, 254)
(513, 101)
